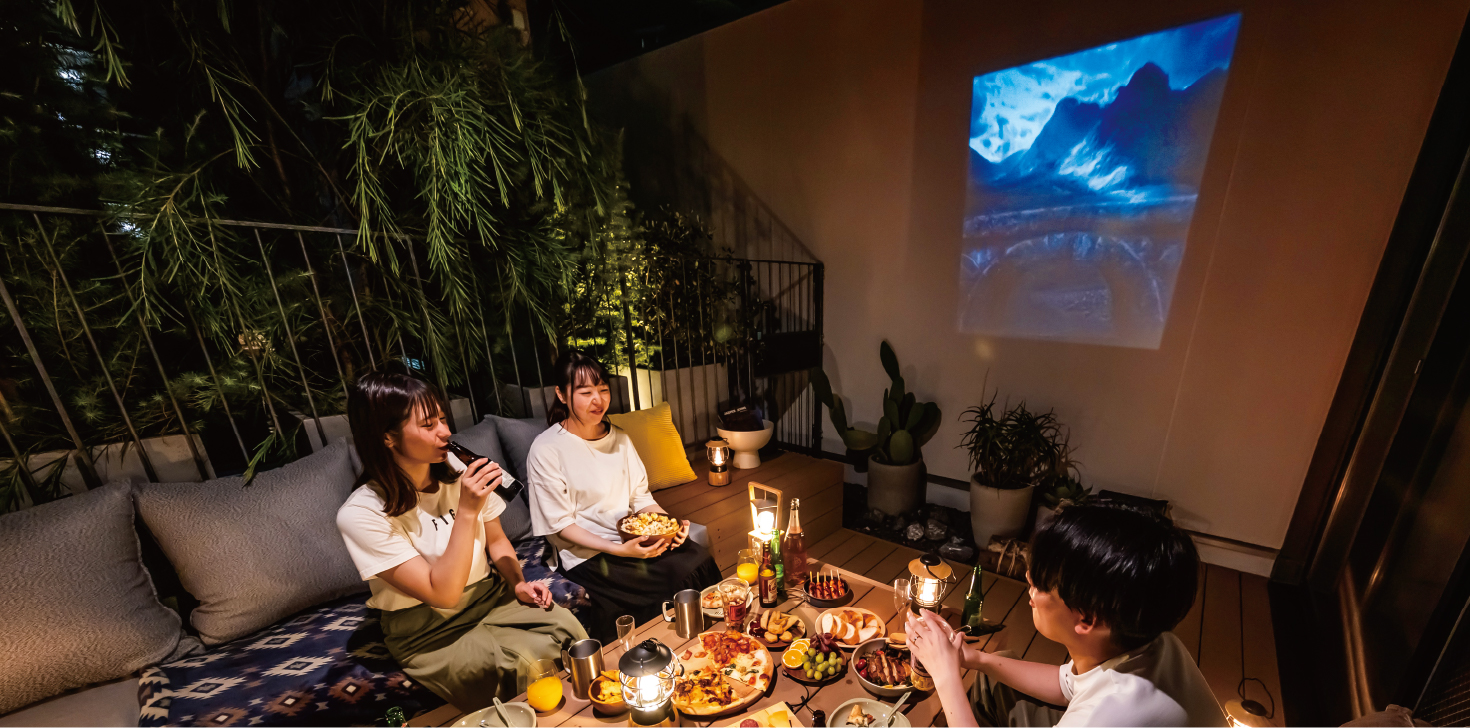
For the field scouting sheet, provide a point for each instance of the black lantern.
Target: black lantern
(647, 674)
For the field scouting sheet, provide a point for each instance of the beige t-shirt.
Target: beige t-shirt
(592, 483)
(378, 542)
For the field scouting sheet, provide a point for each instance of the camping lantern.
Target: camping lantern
(719, 460)
(765, 512)
(929, 579)
(647, 674)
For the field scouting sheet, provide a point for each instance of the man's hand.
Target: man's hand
(534, 594)
(935, 644)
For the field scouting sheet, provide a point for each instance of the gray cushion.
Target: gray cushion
(516, 437)
(253, 554)
(484, 440)
(78, 607)
(109, 704)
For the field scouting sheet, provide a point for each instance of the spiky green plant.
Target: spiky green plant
(904, 428)
(1012, 448)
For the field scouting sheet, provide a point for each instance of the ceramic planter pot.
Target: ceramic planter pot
(895, 489)
(997, 512)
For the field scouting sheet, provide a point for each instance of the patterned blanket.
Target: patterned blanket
(325, 666)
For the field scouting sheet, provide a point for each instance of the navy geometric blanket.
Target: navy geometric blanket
(327, 665)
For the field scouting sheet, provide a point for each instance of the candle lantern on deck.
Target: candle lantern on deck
(647, 675)
(719, 460)
(930, 580)
(765, 513)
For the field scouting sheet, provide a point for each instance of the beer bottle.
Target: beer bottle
(767, 580)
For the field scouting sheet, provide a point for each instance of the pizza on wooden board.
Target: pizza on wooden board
(723, 671)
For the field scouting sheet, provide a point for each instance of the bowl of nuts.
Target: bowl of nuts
(650, 528)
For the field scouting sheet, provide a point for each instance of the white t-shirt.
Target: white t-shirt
(1155, 685)
(592, 483)
(378, 542)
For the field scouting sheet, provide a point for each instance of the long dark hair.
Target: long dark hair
(573, 369)
(379, 403)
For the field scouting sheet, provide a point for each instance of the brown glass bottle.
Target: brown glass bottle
(767, 580)
(509, 487)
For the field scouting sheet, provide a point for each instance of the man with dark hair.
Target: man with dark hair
(1108, 582)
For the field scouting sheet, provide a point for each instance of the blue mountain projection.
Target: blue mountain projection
(1084, 171)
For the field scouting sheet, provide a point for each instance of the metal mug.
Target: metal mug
(688, 618)
(584, 663)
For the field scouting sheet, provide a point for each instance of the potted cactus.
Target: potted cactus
(894, 456)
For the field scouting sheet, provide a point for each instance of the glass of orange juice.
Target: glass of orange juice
(745, 566)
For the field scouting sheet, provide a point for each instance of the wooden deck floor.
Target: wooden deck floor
(1228, 628)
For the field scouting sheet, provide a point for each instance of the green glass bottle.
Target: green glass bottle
(974, 602)
(776, 562)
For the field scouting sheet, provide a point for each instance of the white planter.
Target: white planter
(997, 512)
(895, 489)
(117, 461)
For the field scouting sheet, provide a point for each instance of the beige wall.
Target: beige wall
(848, 120)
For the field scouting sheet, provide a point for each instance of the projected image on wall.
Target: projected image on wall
(1084, 170)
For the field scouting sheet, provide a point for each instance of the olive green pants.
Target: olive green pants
(482, 651)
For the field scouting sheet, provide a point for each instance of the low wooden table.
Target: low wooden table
(867, 594)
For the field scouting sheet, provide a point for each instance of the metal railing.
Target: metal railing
(94, 369)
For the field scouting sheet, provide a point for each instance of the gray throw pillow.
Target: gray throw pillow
(78, 605)
(253, 554)
(482, 439)
(516, 437)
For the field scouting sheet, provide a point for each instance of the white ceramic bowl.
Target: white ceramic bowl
(838, 717)
(521, 716)
(747, 444)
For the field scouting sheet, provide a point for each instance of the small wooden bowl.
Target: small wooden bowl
(609, 707)
(647, 539)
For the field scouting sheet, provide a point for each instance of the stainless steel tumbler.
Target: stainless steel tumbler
(583, 661)
(688, 618)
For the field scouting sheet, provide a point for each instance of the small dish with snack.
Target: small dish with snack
(862, 712)
(816, 661)
(606, 693)
(851, 626)
(712, 602)
(777, 629)
(649, 527)
(825, 591)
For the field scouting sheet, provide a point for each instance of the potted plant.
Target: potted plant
(894, 456)
(1064, 490)
(1012, 452)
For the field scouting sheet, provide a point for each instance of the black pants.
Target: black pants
(619, 585)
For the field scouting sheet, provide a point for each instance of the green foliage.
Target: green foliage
(1065, 489)
(904, 428)
(1016, 448)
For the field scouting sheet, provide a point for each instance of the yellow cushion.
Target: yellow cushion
(658, 445)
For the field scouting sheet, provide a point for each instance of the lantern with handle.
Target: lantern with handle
(765, 515)
(719, 460)
(647, 674)
(930, 580)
